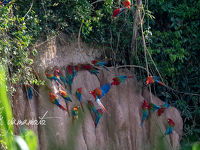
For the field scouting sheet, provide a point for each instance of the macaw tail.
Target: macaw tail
(101, 105)
(82, 106)
(61, 107)
(162, 84)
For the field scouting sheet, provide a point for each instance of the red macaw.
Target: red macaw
(60, 76)
(52, 77)
(153, 79)
(98, 93)
(99, 64)
(67, 99)
(126, 3)
(69, 76)
(98, 116)
(29, 91)
(75, 111)
(118, 11)
(163, 107)
(145, 112)
(120, 79)
(170, 128)
(54, 99)
(79, 96)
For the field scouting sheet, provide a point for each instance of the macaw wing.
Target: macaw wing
(105, 89)
(154, 107)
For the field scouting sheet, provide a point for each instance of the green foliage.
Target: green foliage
(30, 138)
(15, 38)
(7, 138)
(6, 128)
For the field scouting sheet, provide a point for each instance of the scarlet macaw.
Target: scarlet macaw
(145, 112)
(120, 79)
(52, 77)
(118, 11)
(79, 96)
(170, 128)
(75, 111)
(66, 98)
(54, 99)
(153, 79)
(98, 93)
(163, 107)
(126, 3)
(60, 76)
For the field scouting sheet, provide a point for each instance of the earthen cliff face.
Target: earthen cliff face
(117, 130)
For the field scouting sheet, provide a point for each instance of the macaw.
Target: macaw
(100, 92)
(52, 77)
(153, 107)
(118, 11)
(75, 71)
(126, 3)
(79, 96)
(99, 64)
(5, 2)
(60, 76)
(92, 109)
(145, 112)
(91, 69)
(153, 79)
(69, 76)
(120, 79)
(54, 99)
(163, 107)
(75, 111)
(29, 91)
(67, 99)
(98, 116)
(170, 128)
